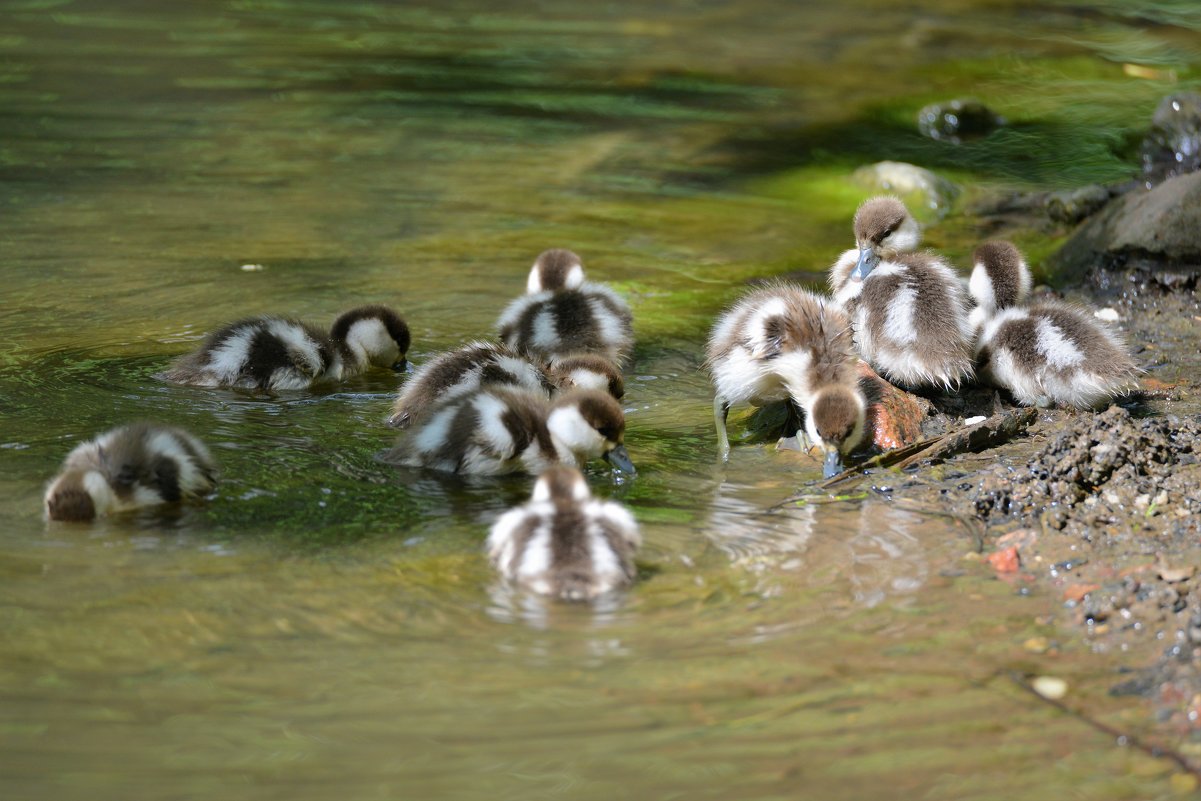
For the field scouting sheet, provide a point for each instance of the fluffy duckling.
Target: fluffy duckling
(1049, 353)
(141, 464)
(589, 371)
(784, 343)
(565, 543)
(553, 323)
(908, 309)
(272, 353)
(466, 369)
(499, 430)
(1000, 280)
(555, 269)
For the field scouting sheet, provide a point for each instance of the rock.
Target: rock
(1157, 229)
(1173, 145)
(957, 120)
(1021, 539)
(922, 190)
(1050, 687)
(894, 416)
(1005, 560)
(1072, 206)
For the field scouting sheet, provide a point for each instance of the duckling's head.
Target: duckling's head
(375, 335)
(589, 371)
(68, 498)
(555, 269)
(883, 227)
(835, 423)
(589, 423)
(1000, 278)
(560, 484)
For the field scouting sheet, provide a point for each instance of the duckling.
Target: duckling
(272, 353)
(589, 371)
(1000, 280)
(551, 324)
(555, 269)
(564, 543)
(1049, 353)
(497, 430)
(141, 464)
(782, 342)
(909, 310)
(463, 370)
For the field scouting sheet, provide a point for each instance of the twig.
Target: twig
(1158, 751)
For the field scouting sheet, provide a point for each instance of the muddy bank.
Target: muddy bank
(1100, 513)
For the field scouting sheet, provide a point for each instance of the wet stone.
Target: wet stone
(957, 120)
(921, 189)
(1173, 145)
(1073, 205)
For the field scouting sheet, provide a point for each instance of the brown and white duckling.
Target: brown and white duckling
(555, 269)
(272, 353)
(909, 310)
(784, 343)
(589, 371)
(137, 465)
(565, 543)
(1048, 353)
(498, 430)
(553, 323)
(466, 369)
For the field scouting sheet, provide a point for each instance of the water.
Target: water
(324, 626)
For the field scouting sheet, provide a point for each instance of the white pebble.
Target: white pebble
(971, 421)
(1050, 687)
(252, 268)
(1108, 314)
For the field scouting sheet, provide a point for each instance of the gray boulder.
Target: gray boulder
(1156, 229)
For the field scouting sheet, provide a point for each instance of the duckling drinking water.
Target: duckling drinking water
(553, 323)
(497, 430)
(908, 309)
(137, 465)
(784, 343)
(272, 353)
(1049, 353)
(564, 543)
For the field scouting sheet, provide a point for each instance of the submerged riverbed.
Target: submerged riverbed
(328, 626)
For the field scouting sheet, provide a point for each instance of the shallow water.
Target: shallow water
(326, 626)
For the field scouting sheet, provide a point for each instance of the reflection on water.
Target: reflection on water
(328, 625)
(866, 549)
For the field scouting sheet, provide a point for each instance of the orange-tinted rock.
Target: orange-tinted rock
(894, 416)
(1005, 560)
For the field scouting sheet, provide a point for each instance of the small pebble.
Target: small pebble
(1109, 315)
(971, 421)
(1050, 687)
(252, 268)
(1037, 645)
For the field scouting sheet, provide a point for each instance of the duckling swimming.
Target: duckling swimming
(589, 371)
(564, 543)
(137, 465)
(272, 353)
(555, 269)
(784, 343)
(463, 370)
(552, 324)
(1049, 353)
(498, 430)
(909, 309)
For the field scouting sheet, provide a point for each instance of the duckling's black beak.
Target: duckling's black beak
(620, 459)
(833, 464)
(867, 260)
(400, 365)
